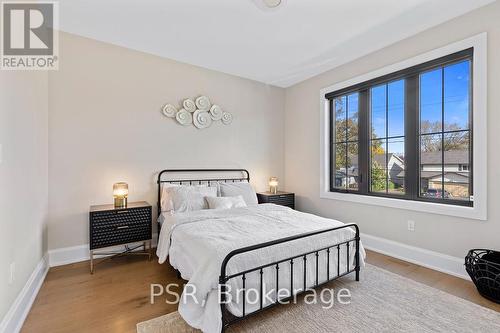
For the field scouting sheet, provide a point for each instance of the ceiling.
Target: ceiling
(281, 47)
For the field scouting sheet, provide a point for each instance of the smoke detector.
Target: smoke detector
(268, 4)
(272, 3)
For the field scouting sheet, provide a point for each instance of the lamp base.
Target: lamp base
(120, 202)
(273, 189)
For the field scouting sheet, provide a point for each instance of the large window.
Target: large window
(407, 134)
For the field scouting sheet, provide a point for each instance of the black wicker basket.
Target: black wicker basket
(483, 267)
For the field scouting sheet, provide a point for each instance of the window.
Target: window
(387, 138)
(445, 132)
(406, 134)
(346, 142)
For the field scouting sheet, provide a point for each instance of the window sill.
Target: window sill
(477, 212)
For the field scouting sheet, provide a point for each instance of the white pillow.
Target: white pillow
(166, 203)
(185, 198)
(239, 188)
(225, 202)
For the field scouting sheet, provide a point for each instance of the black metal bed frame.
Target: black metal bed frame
(228, 318)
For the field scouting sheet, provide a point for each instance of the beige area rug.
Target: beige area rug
(381, 302)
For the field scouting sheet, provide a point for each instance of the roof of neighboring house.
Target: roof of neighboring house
(453, 177)
(432, 174)
(450, 157)
(423, 174)
(380, 158)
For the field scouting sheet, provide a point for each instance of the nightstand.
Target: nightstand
(110, 226)
(280, 198)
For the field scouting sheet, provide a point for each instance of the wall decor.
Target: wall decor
(189, 105)
(200, 112)
(169, 110)
(184, 117)
(216, 112)
(227, 118)
(203, 103)
(201, 119)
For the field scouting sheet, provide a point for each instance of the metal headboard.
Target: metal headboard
(166, 176)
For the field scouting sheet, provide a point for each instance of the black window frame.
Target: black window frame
(411, 76)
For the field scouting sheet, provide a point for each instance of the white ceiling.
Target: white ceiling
(280, 47)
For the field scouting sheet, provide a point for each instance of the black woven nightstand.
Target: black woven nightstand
(280, 198)
(110, 226)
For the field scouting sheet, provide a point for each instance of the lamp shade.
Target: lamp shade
(120, 194)
(273, 185)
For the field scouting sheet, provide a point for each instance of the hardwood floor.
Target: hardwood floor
(116, 297)
(453, 285)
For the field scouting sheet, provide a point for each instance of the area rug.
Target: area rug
(381, 302)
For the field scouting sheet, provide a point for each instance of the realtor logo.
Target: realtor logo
(29, 36)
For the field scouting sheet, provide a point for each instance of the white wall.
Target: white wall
(105, 125)
(448, 235)
(23, 178)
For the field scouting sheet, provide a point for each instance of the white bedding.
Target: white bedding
(197, 242)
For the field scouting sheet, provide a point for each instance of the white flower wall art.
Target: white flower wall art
(169, 110)
(200, 113)
(184, 117)
(189, 105)
(201, 119)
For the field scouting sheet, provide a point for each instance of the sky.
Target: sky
(387, 103)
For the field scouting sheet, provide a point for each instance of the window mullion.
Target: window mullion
(332, 145)
(364, 141)
(346, 143)
(386, 166)
(412, 128)
(442, 133)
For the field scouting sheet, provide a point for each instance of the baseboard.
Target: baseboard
(14, 319)
(430, 259)
(74, 254)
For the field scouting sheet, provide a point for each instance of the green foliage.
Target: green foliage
(378, 177)
(348, 130)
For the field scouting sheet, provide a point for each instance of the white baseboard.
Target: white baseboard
(430, 259)
(14, 319)
(74, 254)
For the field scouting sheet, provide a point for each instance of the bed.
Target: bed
(269, 251)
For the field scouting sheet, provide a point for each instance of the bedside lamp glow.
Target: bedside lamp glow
(273, 185)
(120, 194)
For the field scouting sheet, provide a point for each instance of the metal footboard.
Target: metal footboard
(300, 259)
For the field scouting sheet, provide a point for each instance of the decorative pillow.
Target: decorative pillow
(186, 198)
(166, 203)
(225, 202)
(239, 188)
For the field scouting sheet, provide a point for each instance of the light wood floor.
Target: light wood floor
(116, 297)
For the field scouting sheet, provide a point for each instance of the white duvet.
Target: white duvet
(197, 243)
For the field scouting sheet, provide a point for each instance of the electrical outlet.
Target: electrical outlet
(411, 225)
(12, 276)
